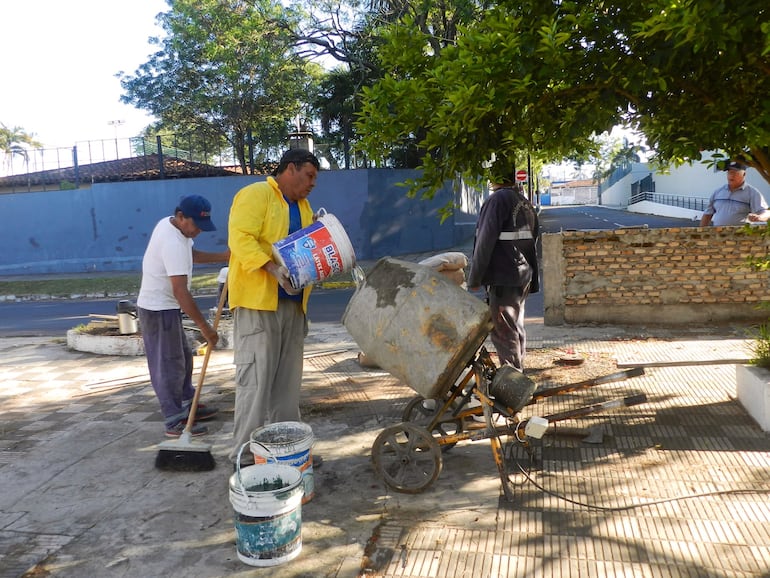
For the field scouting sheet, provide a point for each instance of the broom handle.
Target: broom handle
(196, 396)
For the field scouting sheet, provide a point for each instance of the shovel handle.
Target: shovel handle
(559, 389)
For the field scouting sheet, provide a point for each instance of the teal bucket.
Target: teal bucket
(290, 443)
(267, 503)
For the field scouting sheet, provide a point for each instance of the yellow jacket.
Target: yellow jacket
(259, 217)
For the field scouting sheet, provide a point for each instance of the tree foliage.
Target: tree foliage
(223, 68)
(335, 106)
(350, 32)
(15, 142)
(707, 80)
(547, 76)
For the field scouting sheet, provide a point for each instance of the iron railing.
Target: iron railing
(124, 159)
(110, 160)
(682, 201)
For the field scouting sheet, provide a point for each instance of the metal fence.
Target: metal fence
(685, 202)
(125, 159)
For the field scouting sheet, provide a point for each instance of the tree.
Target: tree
(334, 105)
(223, 68)
(707, 80)
(547, 76)
(349, 32)
(15, 141)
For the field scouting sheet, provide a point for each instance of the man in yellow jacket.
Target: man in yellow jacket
(269, 315)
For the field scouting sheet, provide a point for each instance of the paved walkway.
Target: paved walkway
(678, 487)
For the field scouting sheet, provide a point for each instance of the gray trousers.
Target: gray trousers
(269, 350)
(506, 306)
(169, 360)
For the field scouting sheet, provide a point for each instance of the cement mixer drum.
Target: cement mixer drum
(416, 324)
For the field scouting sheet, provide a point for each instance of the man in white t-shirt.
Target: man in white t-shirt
(163, 297)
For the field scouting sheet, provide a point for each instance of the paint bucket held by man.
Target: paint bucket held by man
(317, 252)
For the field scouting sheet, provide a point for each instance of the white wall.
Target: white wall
(618, 194)
(649, 208)
(699, 181)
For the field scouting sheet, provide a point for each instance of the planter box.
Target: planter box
(752, 385)
(132, 345)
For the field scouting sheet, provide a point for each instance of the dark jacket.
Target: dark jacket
(506, 262)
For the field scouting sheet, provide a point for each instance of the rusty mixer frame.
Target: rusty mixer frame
(408, 455)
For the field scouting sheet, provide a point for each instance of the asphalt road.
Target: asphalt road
(588, 217)
(52, 318)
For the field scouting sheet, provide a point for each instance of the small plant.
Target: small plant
(760, 347)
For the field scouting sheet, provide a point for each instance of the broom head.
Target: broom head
(184, 455)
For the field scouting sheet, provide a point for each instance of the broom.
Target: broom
(183, 454)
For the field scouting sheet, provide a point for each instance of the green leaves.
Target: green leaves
(223, 67)
(544, 77)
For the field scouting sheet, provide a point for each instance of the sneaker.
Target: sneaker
(176, 430)
(205, 412)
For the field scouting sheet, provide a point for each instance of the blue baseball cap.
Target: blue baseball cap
(198, 209)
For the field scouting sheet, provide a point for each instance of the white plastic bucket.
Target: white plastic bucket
(290, 443)
(267, 500)
(317, 252)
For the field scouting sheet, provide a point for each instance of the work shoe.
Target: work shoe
(176, 430)
(205, 412)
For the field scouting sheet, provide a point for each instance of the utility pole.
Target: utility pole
(116, 124)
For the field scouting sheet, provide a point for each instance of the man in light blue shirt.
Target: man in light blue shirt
(736, 202)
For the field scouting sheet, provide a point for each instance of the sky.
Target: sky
(60, 57)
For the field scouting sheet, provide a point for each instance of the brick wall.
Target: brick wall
(674, 277)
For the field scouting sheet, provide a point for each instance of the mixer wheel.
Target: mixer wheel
(407, 458)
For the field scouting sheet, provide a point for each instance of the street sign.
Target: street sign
(521, 176)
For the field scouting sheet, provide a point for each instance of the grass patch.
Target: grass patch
(108, 285)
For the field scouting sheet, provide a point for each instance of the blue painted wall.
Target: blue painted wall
(106, 227)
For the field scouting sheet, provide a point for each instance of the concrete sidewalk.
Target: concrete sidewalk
(679, 486)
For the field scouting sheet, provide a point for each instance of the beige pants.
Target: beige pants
(268, 355)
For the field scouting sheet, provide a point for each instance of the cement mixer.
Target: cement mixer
(427, 331)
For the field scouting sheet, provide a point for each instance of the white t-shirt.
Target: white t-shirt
(168, 253)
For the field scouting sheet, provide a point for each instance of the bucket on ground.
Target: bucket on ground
(290, 443)
(316, 252)
(416, 324)
(267, 504)
(127, 317)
